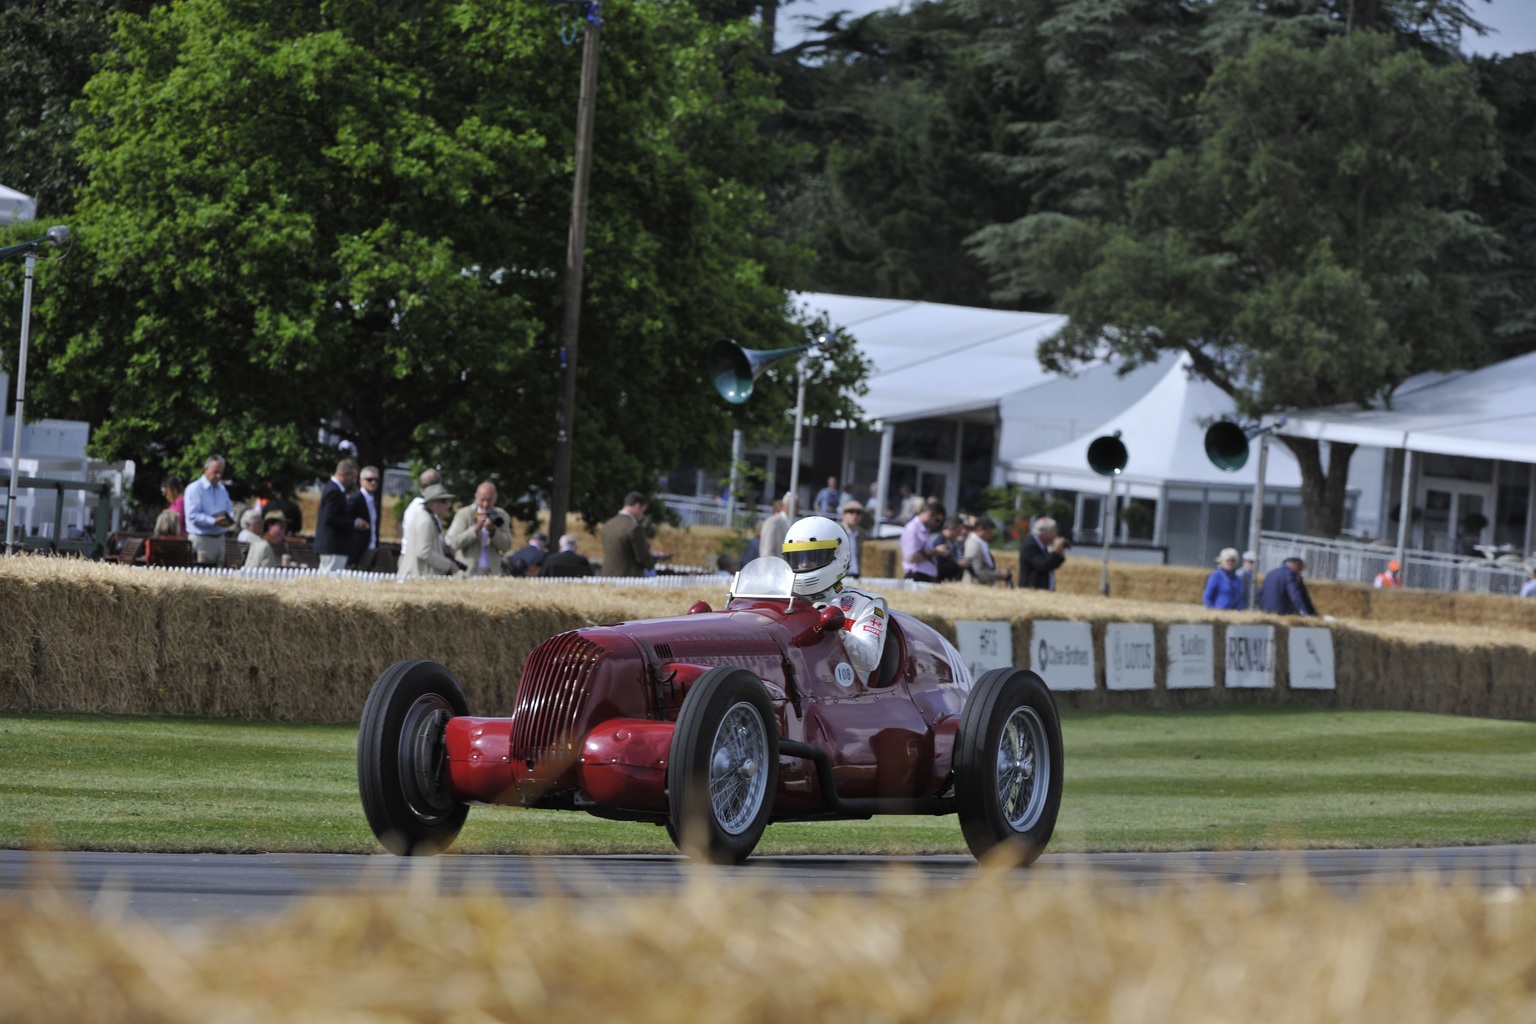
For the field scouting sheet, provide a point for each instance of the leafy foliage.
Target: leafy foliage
(1314, 249)
(373, 252)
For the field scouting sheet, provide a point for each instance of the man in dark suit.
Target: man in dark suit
(626, 551)
(337, 525)
(365, 508)
(526, 560)
(1284, 592)
(566, 562)
(1041, 554)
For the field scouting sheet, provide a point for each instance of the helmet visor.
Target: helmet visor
(810, 555)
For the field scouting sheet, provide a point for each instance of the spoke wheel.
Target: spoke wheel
(723, 768)
(1008, 765)
(402, 761)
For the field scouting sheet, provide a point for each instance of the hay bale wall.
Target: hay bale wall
(86, 637)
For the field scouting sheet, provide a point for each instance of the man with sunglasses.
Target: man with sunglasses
(365, 510)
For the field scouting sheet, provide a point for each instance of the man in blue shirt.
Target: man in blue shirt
(827, 499)
(209, 513)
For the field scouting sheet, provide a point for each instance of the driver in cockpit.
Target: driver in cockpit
(818, 550)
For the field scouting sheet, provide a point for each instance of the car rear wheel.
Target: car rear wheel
(724, 766)
(1008, 765)
(402, 762)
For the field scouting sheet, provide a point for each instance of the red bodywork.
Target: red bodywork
(596, 707)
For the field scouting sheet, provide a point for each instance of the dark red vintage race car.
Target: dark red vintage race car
(714, 724)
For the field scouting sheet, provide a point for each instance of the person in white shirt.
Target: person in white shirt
(413, 509)
(250, 519)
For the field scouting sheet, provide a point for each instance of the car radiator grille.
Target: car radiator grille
(550, 697)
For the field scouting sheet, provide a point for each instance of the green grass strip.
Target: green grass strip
(1145, 780)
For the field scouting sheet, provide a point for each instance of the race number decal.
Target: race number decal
(844, 672)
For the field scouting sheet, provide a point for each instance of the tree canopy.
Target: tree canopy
(302, 224)
(1315, 246)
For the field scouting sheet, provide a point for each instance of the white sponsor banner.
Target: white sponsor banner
(1191, 656)
(984, 646)
(1062, 652)
(1130, 656)
(1250, 657)
(1311, 657)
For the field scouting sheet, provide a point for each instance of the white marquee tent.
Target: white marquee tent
(1164, 435)
(1488, 413)
(15, 207)
(931, 359)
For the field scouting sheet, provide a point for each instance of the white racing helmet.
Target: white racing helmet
(816, 549)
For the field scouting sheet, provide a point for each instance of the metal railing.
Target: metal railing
(707, 510)
(1356, 561)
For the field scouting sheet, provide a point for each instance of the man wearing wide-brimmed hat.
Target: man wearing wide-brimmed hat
(423, 553)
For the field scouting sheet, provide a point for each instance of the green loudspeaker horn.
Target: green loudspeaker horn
(1226, 445)
(734, 368)
(1107, 455)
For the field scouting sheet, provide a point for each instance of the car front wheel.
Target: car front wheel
(723, 768)
(402, 762)
(1008, 765)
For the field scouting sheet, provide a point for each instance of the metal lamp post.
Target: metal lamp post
(58, 235)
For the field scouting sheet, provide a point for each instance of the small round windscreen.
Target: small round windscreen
(810, 555)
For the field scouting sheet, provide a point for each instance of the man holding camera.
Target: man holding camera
(481, 533)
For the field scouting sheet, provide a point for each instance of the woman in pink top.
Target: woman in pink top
(174, 489)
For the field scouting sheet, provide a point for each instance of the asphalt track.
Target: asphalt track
(219, 888)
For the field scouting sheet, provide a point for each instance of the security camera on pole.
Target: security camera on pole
(57, 236)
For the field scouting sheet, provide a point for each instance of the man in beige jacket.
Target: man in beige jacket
(481, 533)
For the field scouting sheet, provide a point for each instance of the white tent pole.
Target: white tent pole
(738, 455)
(1257, 525)
(1405, 512)
(1109, 519)
(883, 475)
(794, 458)
(21, 401)
(1530, 506)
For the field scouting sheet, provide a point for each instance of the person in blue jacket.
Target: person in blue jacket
(1224, 587)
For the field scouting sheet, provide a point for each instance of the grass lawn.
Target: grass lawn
(1147, 780)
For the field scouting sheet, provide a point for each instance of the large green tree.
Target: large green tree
(305, 223)
(1313, 248)
(48, 51)
(904, 122)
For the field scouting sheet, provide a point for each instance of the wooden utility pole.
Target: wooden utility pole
(565, 402)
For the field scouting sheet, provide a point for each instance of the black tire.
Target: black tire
(401, 761)
(1008, 765)
(724, 767)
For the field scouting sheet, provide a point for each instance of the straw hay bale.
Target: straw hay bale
(88, 637)
(1052, 947)
(18, 631)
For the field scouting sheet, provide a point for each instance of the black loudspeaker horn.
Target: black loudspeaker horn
(734, 368)
(1107, 455)
(1226, 445)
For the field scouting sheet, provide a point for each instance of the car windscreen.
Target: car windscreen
(768, 576)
